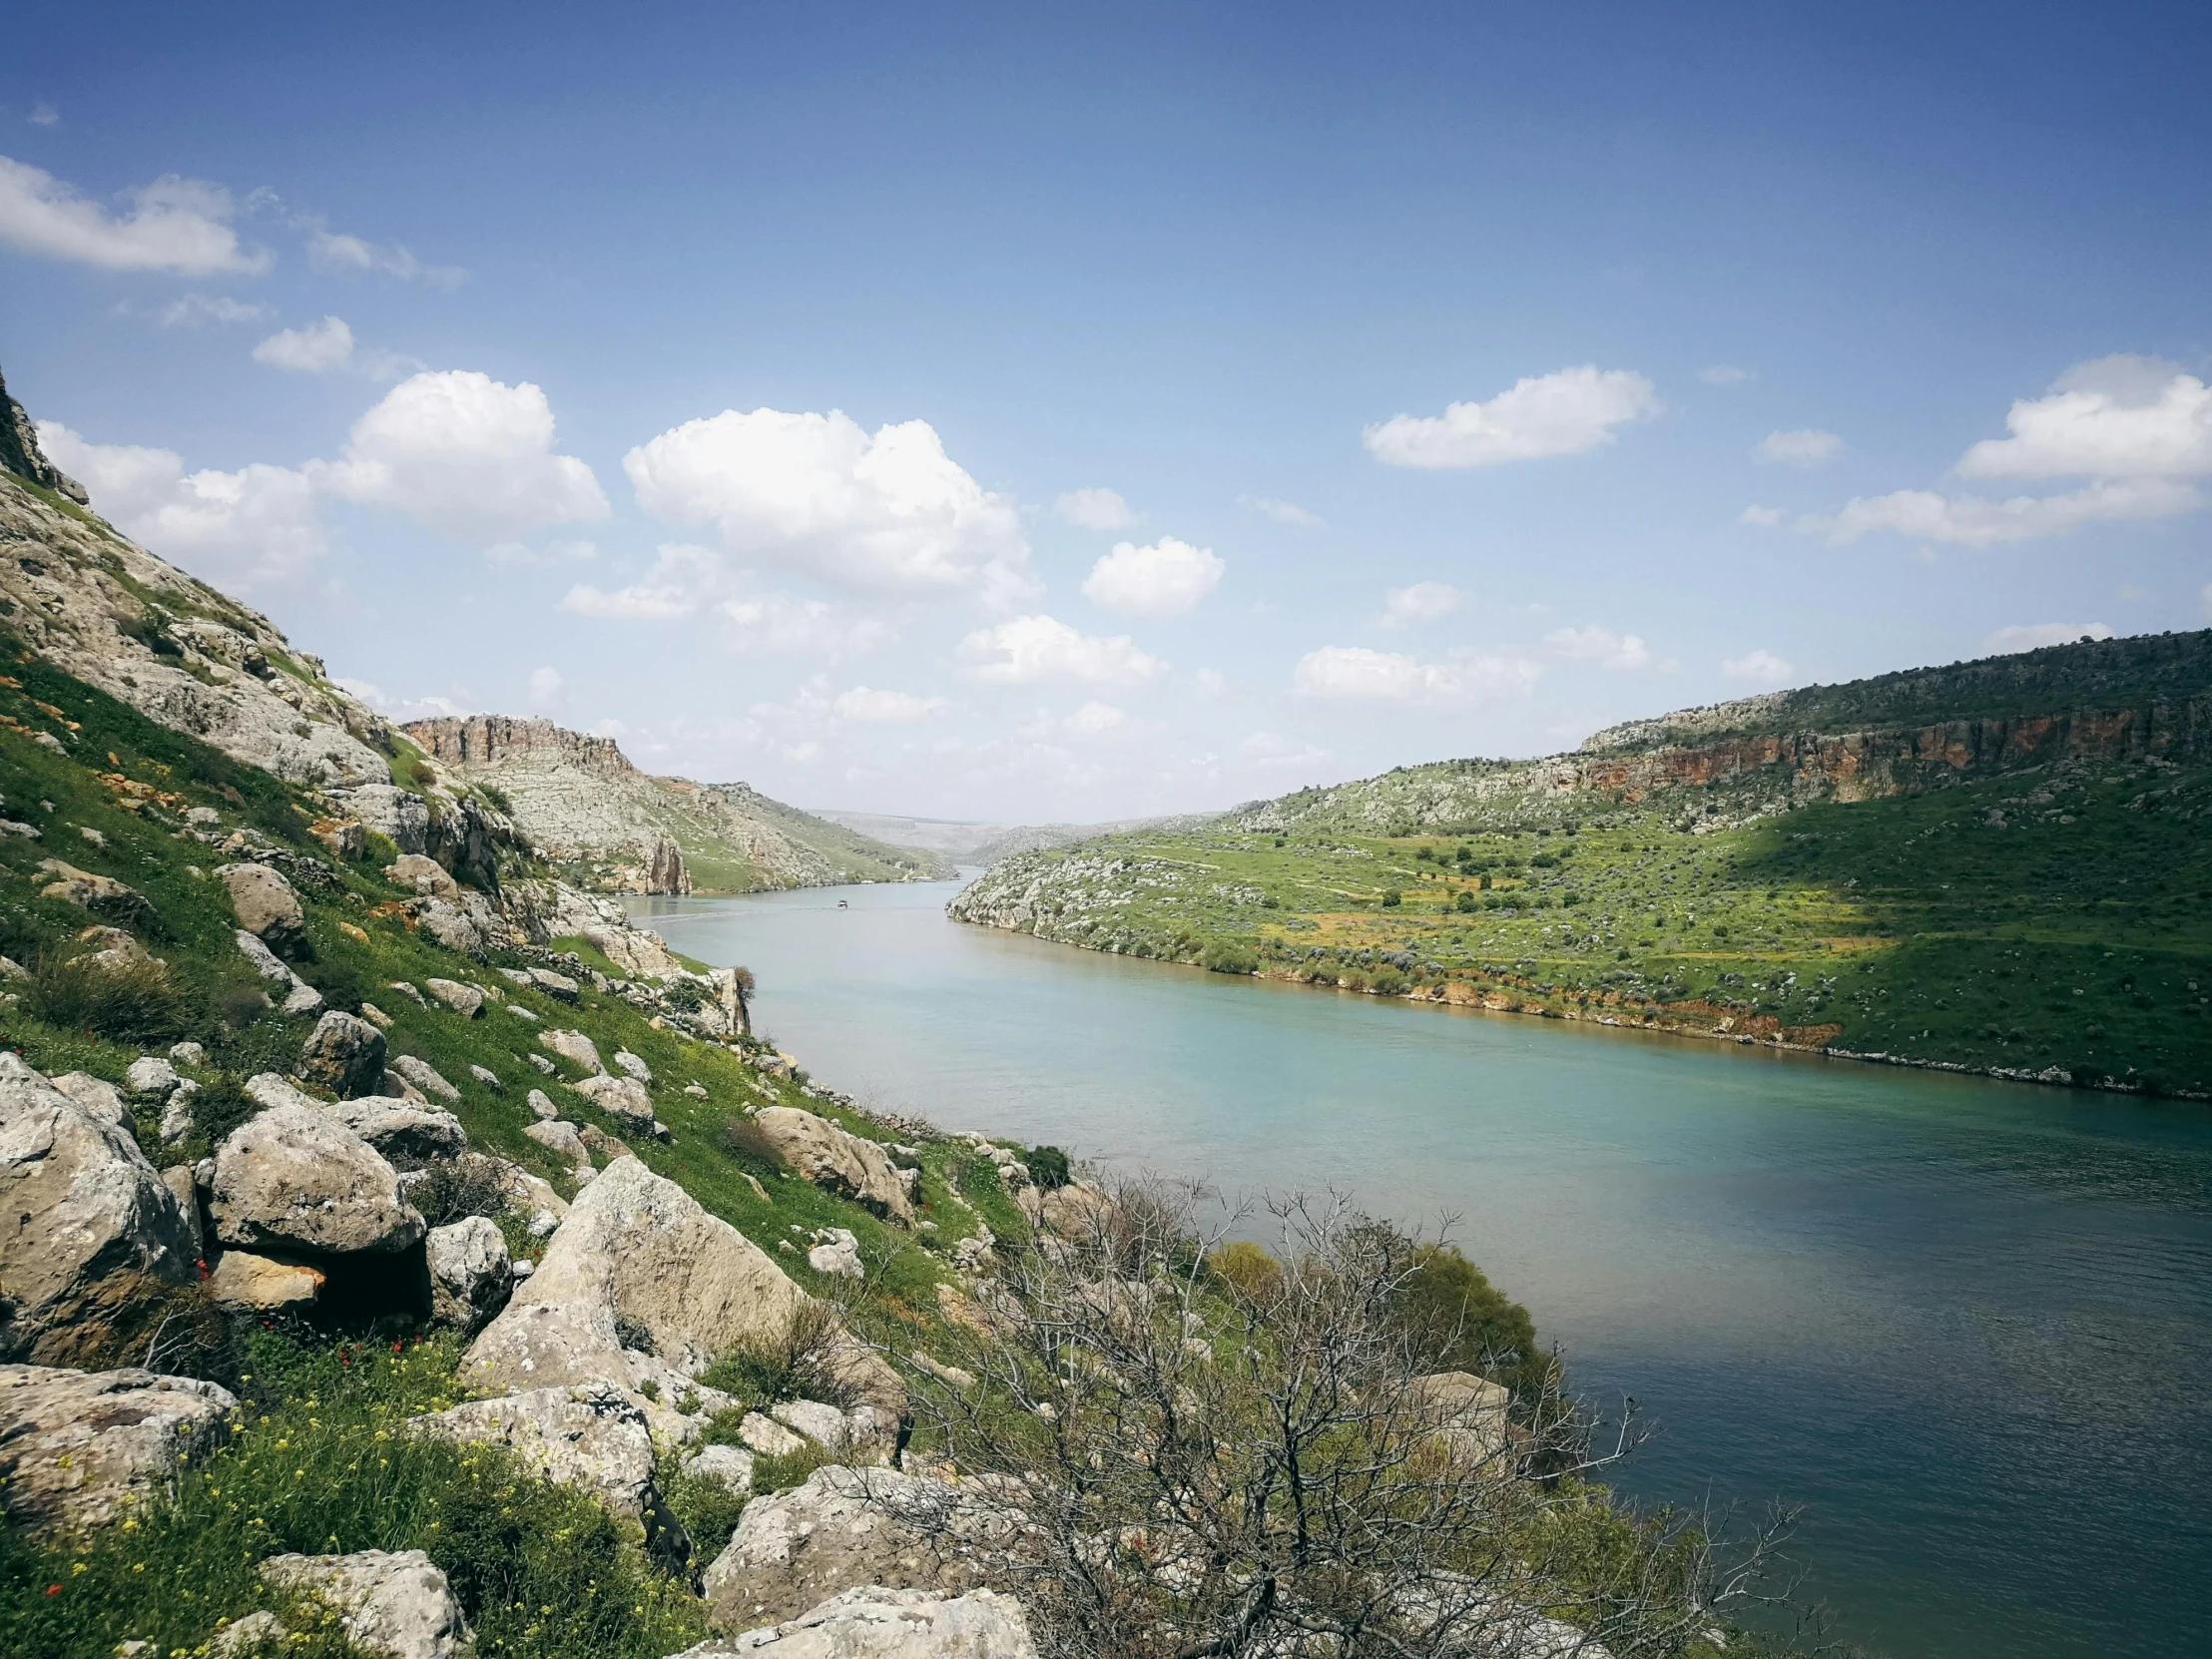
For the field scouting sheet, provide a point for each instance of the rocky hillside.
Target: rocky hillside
(985, 843)
(2017, 888)
(613, 828)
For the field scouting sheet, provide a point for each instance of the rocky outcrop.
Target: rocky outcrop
(624, 1099)
(344, 1054)
(594, 1437)
(847, 1527)
(393, 1606)
(469, 1271)
(294, 1180)
(84, 1218)
(243, 1282)
(267, 907)
(401, 1128)
(20, 452)
(870, 1622)
(836, 1161)
(78, 1449)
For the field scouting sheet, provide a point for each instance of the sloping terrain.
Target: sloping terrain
(2020, 887)
(986, 844)
(613, 828)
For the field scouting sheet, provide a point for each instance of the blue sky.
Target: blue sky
(1131, 409)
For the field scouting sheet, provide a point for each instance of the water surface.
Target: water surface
(1968, 1325)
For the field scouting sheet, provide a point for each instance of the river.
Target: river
(1968, 1325)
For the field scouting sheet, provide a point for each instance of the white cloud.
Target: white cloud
(515, 555)
(1354, 671)
(239, 530)
(1154, 582)
(1762, 667)
(885, 706)
(1601, 646)
(1267, 748)
(403, 709)
(173, 224)
(1803, 447)
(1975, 521)
(44, 114)
(190, 311)
(785, 623)
(2035, 636)
(310, 351)
(639, 601)
(545, 687)
(1726, 375)
(1210, 681)
(334, 251)
(1095, 510)
(1026, 650)
(1098, 719)
(1762, 518)
(2117, 417)
(815, 493)
(465, 455)
(1283, 512)
(1423, 602)
(1563, 413)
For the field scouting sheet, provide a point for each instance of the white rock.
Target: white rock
(624, 1098)
(465, 1000)
(293, 1179)
(541, 1106)
(593, 1436)
(636, 1067)
(78, 1447)
(728, 1465)
(840, 1254)
(576, 1048)
(150, 1074)
(835, 1160)
(398, 1606)
(469, 1271)
(486, 1076)
(426, 1077)
(102, 1099)
(292, 993)
(255, 1633)
(870, 1622)
(544, 1064)
(399, 1129)
(187, 1054)
(561, 1139)
(768, 1436)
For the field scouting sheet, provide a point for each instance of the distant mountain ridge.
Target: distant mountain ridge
(985, 843)
(615, 829)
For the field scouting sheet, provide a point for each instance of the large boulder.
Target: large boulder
(293, 994)
(623, 1098)
(395, 1606)
(78, 1447)
(559, 1137)
(576, 1048)
(426, 1077)
(465, 1000)
(295, 1179)
(267, 907)
(836, 1161)
(870, 1622)
(595, 1437)
(103, 895)
(399, 1128)
(469, 1271)
(243, 1282)
(846, 1526)
(638, 1248)
(344, 1054)
(84, 1218)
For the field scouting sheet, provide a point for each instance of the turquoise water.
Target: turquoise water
(1968, 1325)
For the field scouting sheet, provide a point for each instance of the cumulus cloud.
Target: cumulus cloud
(1726, 375)
(815, 493)
(545, 687)
(2035, 635)
(173, 224)
(1803, 447)
(1423, 602)
(402, 709)
(1761, 668)
(1283, 512)
(1271, 750)
(681, 579)
(44, 114)
(190, 311)
(1762, 518)
(895, 707)
(2117, 417)
(465, 455)
(1028, 650)
(1095, 510)
(784, 623)
(335, 251)
(315, 349)
(239, 530)
(1563, 413)
(1601, 646)
(1976, 521)
(1155, 582)
(1352, 673)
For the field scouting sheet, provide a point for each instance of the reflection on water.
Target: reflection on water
(1966, 1324)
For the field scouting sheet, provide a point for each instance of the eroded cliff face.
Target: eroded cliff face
(497, 740)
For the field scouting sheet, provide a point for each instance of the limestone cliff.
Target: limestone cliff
(616, 829)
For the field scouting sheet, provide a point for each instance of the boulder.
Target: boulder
(103, 895)
(255, 1633)
(726, 1465)
(870, 1622)
(638, 1247)
(84, 1217)
(102, 1099)
(248, 1283)
(838, 1254)
(469, 1271)
(187, 1054)
(293, 994)
(632, 1064)
(149, 1074)
(486, 1076)
(559, 1138)
(293, 1179)
(400, 816)
(768, 1436)
(556, 985)
(576, 1048)
(109, 949)
(395, 1606)
(639, 953)
(465, 1000)
(176, 1121)
(425, 875)
(78, 1447)
(594, 1437)
(343, 838)
(837, 1162)
(541, 1106)
(426, 1077)
(624, 1098)
(452, 927)
(179, 1180)
(399, 1129)
(849, 1526)
(267, 907)
(344, 1054)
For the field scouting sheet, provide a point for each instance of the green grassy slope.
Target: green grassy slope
(719, 863)
(2059, 917)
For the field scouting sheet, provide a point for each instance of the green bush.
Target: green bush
(1228, 956)
(1389, 982)
(1392, 898)
(1048, 1166)
(1467, 904)
(138, 1001)
(1467, 1323)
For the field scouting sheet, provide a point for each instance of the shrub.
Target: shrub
(1392, 898)
(1246, 1269)
(1226, 956)
(796, 1362)
(707, 1509)
(453, 1189)
(1389, 982)
(1048, 1166)
(685, 994)
(133, 1001)
(1453, 1311)
(219, 1108)
(1467, 904)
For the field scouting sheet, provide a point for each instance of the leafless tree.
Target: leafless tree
(1200, 1463)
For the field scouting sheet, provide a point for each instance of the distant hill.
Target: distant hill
(2001, 866)
(614, 828)
(985, 843)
